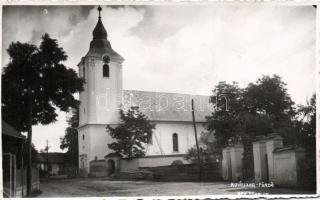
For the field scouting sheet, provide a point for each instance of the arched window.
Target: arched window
(175, 142)
(105, 70)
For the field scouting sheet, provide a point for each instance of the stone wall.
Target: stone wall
(129, 165)
(98, 168)
(186, 172)
(272, 162)
(278, 164)
(155, 161)
(149, 161)
(287, 162)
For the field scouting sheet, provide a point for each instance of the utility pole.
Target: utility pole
(47, 158)
(196, 137)
(29, 142)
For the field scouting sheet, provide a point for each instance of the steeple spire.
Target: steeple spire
(100, 43)
(99, 31)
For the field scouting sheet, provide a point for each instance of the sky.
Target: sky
(181, 49)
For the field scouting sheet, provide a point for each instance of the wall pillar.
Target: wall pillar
(272, 142)
(260, 161)
(226, 164)
(236, 155)
(288, 162)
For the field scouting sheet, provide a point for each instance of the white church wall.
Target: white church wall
(106, 92)
(83, 118)
(96, 140)
(94, 143)
(101, 98)
(99, 140)
(84, 146)
(162, 143)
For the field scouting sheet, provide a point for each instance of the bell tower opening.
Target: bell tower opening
(106, 69)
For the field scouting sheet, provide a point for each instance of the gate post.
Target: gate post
(260, 164)
(236, 154)
(226, 164)
(273, 141)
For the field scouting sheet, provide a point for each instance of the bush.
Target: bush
(177, 162)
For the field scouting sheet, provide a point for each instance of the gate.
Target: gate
(267, 168)
(9, 174)
(111, 167)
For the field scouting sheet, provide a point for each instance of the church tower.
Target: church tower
(100, 100)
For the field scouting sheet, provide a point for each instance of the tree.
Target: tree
(41, 71)
(209, 150)
(131, 134)
(223, 122)
(70, 139)
(34, 153)
(306, 116)
(306, 125)
(262, 107)
(269, 96)
(34, 84)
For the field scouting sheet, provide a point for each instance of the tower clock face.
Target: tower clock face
(106, 59)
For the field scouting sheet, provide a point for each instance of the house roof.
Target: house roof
(114, 154)
(10, 131)
(53, 157)
(38, 158)
(163, 106)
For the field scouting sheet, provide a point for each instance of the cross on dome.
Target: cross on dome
(99, 10)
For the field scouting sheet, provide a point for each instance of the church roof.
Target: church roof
(99, 32)
(163, 106)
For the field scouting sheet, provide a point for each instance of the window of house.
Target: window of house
(84, 72)
(175, 142)
(82, 137)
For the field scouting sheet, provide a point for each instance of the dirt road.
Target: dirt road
(94, 187)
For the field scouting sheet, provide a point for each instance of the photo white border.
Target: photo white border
(189, 2)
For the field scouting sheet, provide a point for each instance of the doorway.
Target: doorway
(111, 167)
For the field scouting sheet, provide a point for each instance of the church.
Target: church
(103, 97)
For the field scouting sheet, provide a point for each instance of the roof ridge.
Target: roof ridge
(52, 152)
(168, 93)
